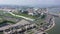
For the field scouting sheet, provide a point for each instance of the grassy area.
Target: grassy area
(2, 21)
(40, 21)
(5, 21)
(26, 15)
(4, 14)
(30, 32)
(29, 16)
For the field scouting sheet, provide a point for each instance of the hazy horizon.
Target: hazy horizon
(30, 2)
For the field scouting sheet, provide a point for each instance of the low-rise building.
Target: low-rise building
(30, 11)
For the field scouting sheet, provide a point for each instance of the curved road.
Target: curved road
(22, 17)
(6, 27)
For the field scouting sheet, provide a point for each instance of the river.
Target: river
(56, 28)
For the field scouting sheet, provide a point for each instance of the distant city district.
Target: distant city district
(25, 20)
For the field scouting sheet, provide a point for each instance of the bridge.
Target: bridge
(54, 14)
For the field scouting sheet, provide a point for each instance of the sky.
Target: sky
(30, 2)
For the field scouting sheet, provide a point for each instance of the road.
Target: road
(22, 17)
(6, 27)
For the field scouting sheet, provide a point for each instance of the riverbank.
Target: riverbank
(33, 20)
(56, 28)
(52, 25)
